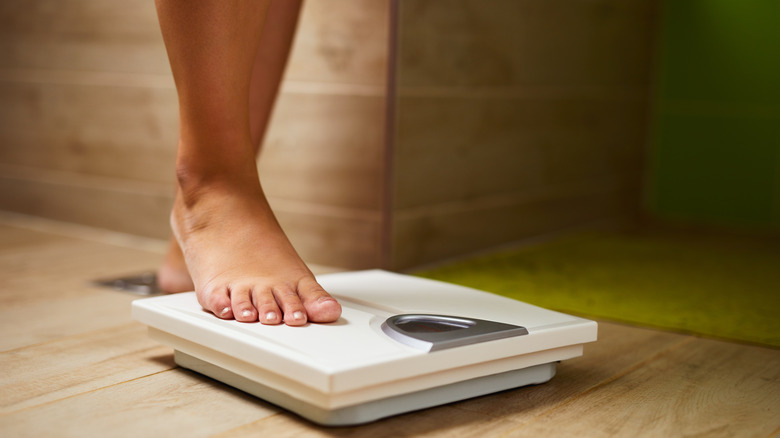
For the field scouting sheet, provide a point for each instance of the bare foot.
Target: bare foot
(173, 276)
(242, 264)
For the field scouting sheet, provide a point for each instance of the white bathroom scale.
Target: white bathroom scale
(402, 343)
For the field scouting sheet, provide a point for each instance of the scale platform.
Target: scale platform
(402, 343)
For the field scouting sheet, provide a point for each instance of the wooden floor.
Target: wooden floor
(73, 363)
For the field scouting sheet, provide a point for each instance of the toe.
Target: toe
(241, 303)
(267, 309)
(292, 307)
(320, 306)
(217, 301)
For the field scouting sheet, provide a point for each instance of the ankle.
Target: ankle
(198, 178)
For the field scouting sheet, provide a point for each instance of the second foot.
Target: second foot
(173, 276)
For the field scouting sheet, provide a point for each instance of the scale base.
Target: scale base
(374, 410)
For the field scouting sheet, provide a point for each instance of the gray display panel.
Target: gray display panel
(437, 332)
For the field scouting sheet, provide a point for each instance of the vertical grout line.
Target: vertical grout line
(386, 226)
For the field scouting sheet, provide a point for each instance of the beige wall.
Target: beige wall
(516, 118)
(87, 113)
(322, 164)
(513, 118)
(88, 122)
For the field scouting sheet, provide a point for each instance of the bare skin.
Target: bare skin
(236, 255)
(173, 275)
(269, 64)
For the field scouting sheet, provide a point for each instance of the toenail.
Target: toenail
(225, 311)
(298, 315)
(270, 316)
(246, 313)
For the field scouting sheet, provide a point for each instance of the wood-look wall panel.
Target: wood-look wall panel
(321, 234)
(459, 148)
(453, 148)
(434, 234)
(342, 41)
(88, 122)
(122, 132)
(333, 240)
(326, 149)
(496, 99)
(86, 35)
(505, 43)
(591, 139)
(501, 103)
(123, 57)
(120, 205)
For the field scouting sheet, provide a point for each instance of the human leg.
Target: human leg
(269, 63)
(242, 265)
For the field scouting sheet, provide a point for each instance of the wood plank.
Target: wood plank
(702, 388)
(74, 353)
(48, 320)
(322, 149)
(315, 140)
(333, 240)
(445, 421)
(505, 43)
(69, 366)
(343, 41)
(122, 205)
(45, 291)
(46, 228)
(326, 235)
(29, 271)
(105, 130)
(326, 149)
(81, 35)
(13, 239)
(169, 403)
(438, 232)
(619, 349)
(456, 147)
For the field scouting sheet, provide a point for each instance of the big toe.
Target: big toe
(320, 306)
(324, 309)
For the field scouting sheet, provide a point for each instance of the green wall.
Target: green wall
(715, 155)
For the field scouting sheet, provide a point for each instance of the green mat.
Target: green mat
(720, 286)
